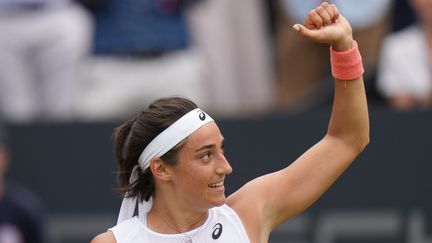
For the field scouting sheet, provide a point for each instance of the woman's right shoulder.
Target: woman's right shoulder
(107, 237)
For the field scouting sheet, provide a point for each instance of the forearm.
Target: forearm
(350, 121)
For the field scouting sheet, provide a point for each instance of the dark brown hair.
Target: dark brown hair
(134, 135)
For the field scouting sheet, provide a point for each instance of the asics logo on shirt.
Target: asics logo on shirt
(217, 231)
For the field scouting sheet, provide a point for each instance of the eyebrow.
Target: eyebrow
(209, 146)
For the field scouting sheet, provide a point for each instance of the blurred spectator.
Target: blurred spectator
(235, 41)
(403, 15)
(141, 51)
(21, 214)
(213, 51)
(404, 76)
(42, 45)
(302, 75)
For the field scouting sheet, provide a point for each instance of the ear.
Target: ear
(159, 169)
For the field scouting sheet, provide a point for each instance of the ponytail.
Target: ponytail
(124, 166)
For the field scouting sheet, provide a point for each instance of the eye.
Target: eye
(206, 155)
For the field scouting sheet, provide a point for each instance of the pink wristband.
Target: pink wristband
(346, 65)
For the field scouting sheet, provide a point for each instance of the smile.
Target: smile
(216, 185)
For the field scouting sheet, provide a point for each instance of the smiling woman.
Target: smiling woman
(171, 160)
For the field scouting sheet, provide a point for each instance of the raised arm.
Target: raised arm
(269, 200)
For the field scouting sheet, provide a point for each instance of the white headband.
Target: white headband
(173, 135)
(161, 144)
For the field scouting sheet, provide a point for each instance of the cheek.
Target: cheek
(193, 179)
(198, 178)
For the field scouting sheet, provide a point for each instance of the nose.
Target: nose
(224, 166)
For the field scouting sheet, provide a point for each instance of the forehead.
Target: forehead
(205, 135)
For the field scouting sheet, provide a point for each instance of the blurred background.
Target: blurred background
(71, 71)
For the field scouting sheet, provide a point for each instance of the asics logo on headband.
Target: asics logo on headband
(201, 115)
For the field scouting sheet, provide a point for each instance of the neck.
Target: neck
(169, 217)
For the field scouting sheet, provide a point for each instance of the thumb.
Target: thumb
(311, 34)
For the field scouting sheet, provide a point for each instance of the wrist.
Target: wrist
(346, 65)
(343, 45)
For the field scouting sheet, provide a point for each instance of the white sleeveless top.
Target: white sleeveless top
(223, 225)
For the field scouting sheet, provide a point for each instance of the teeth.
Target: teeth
(216, 185)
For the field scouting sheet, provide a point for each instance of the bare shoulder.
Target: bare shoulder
(107, 237)
(251, 196)
(249, 205)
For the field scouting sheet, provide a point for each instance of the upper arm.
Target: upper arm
(281, 195)
(107, 237)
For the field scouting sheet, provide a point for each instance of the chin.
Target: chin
(218, 202)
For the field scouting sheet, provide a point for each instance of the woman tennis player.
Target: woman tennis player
(171, 161)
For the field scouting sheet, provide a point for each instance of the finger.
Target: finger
(309, 24)
(335, 12)
(306, 32)
(313, 20)
(326, 19)
(328, 9)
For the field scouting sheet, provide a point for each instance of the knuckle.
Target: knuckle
(334, 7)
